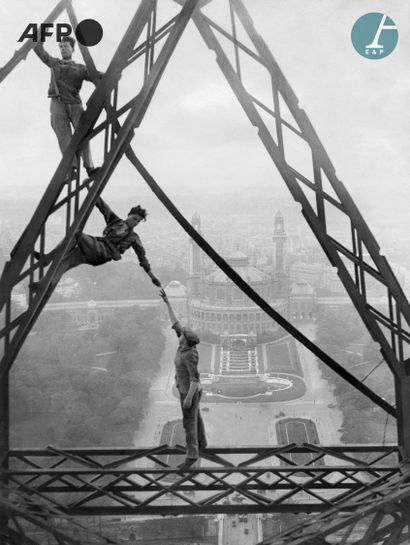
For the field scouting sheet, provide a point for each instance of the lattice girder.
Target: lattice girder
(379, 516)
(268, 479)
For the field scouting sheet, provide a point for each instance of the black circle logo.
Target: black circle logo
(89, 32)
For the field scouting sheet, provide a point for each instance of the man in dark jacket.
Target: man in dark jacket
(66, 108)
(189, 387)
(118, 236)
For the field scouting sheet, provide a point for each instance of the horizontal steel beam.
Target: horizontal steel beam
(335, 450)
(378, 515)
(287, 478)
(171, 509)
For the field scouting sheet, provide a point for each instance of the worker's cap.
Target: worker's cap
(191, 337)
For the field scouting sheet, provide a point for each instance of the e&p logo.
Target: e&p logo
(374, 35)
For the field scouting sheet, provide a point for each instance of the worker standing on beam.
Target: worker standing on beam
(189, 387)
(66, 108)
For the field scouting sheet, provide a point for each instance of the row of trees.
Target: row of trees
(337, 333)
(58, 379)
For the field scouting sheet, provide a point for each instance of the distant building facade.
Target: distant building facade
(223, 308)
(218, 306)
(212, 303)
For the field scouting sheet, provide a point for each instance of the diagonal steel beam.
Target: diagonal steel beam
(121, 143)
(319, 227)
(392, 342)
(253, 295)
(25, 244)
(129, 153)
(20, 506)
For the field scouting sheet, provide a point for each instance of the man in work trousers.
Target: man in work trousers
(189, 387)
(118, 236)
(66, 108)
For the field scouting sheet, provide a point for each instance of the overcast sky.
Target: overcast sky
(195, 137)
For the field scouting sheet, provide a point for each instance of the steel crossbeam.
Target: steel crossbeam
(289, 478)
(379, 515)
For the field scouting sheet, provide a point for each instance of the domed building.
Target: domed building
(237, 362)
(218, 306)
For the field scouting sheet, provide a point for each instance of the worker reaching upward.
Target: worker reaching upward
(188, 382)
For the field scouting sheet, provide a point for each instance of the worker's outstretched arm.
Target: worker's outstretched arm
(172, 315)
(42, 54)
(142, 258)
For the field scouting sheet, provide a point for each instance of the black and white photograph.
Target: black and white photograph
(205, 272)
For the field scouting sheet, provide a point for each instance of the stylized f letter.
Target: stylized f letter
(375, 43)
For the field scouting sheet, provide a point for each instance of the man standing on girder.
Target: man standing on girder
(118, 236)
(189, 387)
(66, 108)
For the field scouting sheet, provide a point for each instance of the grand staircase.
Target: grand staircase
(237, 361)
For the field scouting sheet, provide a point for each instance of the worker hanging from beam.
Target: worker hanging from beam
(118, 236)
(189, 388)
(66, 108)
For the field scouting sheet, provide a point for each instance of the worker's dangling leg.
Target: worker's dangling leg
(74, 258)
(46, 259)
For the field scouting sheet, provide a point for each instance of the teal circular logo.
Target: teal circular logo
(374, 35)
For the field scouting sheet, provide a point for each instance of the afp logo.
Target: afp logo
(88, 32)
(374, 35)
